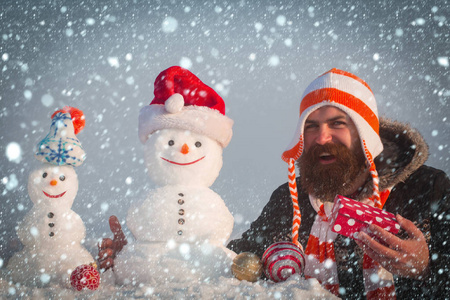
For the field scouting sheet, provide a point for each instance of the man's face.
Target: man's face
(329, 124)
(333, 158)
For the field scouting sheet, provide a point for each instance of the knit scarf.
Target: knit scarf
(321, 261)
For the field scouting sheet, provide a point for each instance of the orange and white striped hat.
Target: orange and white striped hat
(351, 94)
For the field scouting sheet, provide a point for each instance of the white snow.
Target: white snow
(90, 21)
(294, 287)
(443, 61)
(69, 32)
(14, 152)
(169, 25)
(274, 61)
(185, 62)
(281, 20)
(47, 100)
(113, 62)
(28, 94)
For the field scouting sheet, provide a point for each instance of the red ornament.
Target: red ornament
(85, 276)
(283, 259)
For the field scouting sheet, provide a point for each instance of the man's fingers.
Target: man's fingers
(410, 228)
(105, 244)
(371, 243)
(385, 237)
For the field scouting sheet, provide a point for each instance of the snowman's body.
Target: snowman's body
(182, 226)
(51, 232)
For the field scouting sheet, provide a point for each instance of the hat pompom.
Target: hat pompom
(78, 118)
(174, 104)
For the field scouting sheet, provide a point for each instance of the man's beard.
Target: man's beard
(325, 181)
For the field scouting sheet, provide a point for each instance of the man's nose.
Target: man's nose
(324, 135)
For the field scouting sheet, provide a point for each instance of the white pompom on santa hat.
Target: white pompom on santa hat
(182, 101)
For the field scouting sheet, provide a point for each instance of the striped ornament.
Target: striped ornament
(282, 260)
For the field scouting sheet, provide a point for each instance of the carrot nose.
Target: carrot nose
(185, 149)
(53, 182)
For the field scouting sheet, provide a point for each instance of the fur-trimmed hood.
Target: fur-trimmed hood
(404, 152)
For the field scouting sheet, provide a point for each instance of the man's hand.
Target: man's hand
(406, 258)
(108, 248)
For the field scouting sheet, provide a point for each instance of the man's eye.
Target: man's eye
(339, 124)
(171, 143)
(310, 126)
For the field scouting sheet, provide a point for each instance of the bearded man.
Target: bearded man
(341, 147)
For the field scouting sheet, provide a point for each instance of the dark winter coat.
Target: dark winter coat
(421, 194)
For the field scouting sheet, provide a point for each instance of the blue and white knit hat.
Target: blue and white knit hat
(61, 146)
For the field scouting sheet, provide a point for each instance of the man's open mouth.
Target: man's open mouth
(327, 158)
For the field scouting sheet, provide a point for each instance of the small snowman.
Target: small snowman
(51, 232)
(181, 227)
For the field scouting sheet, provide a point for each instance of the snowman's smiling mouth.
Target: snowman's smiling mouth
(54, 196)
(183, 164)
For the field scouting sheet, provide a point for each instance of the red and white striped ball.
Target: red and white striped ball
(282, 260)
(85, 276)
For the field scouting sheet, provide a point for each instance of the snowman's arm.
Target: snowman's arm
(109, 248)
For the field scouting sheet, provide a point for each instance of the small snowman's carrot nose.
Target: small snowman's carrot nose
(53, 182)
(185, 149)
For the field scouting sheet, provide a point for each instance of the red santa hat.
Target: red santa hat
(183, 101)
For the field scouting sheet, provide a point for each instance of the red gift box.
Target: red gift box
(349, 217)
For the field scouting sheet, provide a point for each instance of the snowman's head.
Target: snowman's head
(53, 186)
(176, 156)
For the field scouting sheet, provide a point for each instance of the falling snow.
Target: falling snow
(169, 25)
(103, 59)
(14, 152)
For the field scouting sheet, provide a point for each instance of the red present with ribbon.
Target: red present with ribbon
(349, 217)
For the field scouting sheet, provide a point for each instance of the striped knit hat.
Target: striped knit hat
(352, 95)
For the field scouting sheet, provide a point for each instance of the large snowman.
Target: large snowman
(181, 227)
(51, 232)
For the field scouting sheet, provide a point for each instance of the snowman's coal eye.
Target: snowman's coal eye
(171, 143)
(62, 177)
(44, 175)
(198, 144)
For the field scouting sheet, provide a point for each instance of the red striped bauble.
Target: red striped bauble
(282, 260)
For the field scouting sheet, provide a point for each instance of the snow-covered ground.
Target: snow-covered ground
(222, 288)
